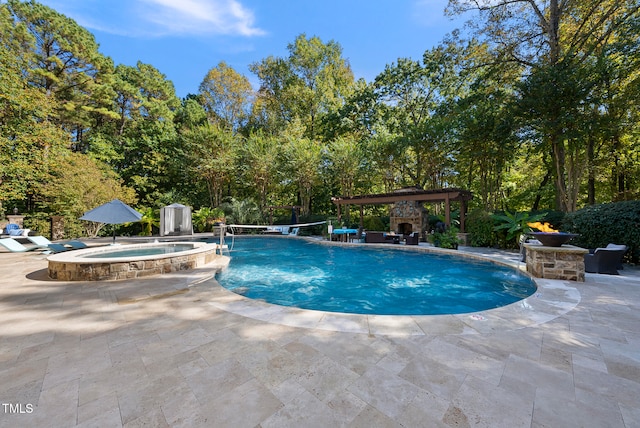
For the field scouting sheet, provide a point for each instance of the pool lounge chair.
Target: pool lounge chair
(16, 247)
(43, 242)
(40, 241)
(75, 245)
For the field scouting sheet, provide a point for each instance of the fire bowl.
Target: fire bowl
(553, 239)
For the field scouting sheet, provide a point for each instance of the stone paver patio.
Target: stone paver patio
(178, 350)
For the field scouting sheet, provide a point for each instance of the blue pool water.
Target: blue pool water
(145, 251)
(361, 280)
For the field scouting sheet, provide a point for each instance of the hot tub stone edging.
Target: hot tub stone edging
(72, 266)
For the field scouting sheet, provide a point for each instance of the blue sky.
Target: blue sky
(185, 38)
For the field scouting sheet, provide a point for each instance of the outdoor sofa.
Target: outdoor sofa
(381, 238)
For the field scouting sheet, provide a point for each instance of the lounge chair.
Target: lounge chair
(57, 248)
(43, 242)
(40, 241)
(75, 245)
(605, 260)
(16, 247)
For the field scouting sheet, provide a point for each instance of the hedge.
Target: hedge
(599, 225)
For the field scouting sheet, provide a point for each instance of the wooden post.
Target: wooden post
(447, 211)
(463, 215)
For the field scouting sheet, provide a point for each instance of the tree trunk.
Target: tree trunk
(560, 181)
(591, 181)
(543, 183)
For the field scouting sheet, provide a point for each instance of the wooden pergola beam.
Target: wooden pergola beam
(389, 198)
(441, 195)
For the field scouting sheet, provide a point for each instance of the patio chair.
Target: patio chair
(412, 239)
(604, 260)
(617, 247)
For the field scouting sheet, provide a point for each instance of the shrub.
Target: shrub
(447, 237)
(373, 223)
(40, 224)
(479, 225)
(432, 221)
(318, 229)
(599, 225)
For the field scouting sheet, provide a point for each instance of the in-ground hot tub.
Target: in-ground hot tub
(129, 261)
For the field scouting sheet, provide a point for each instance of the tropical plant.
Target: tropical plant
(150, 218)
(205, 218)
(515, 224)
(244, 211)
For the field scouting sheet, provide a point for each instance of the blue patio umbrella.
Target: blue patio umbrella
(114, 212)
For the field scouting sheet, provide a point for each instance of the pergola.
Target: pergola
(438, 195)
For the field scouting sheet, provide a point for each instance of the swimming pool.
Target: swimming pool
(366, 280)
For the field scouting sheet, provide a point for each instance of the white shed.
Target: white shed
(175, 219)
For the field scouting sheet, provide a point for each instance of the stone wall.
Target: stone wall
(565, 262)
(63, 267)
(411, 212)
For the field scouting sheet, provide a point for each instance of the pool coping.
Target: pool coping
(552, 299)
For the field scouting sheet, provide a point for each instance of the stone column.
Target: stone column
(16, 219)
(57, 227)
(565, 262)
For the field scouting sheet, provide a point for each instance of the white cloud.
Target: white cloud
(226, 17)
(154, 18)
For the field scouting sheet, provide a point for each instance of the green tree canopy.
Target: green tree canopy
(226, 96)
(312, 81)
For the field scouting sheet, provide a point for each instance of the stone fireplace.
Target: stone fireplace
(407, 217)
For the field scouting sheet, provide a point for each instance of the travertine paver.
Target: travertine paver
(178, 350)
